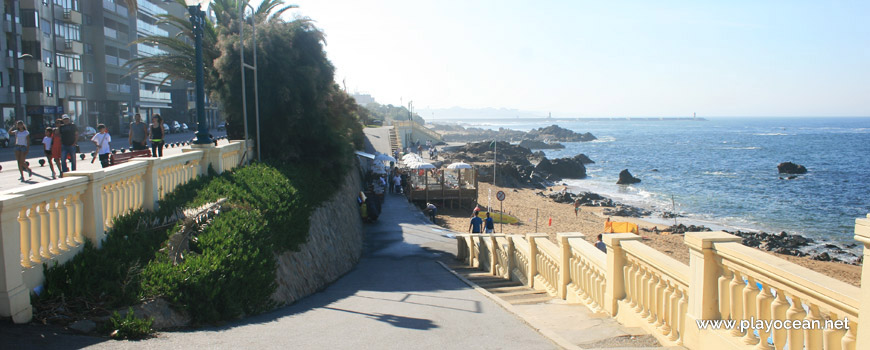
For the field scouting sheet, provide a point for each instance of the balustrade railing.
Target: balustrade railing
(49, 222)
(587, 266)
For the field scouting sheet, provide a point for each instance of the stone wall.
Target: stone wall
(334, 246)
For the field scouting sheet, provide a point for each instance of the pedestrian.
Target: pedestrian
(397, 182)
(46, 144)
(432, 209)
(476, 222)
(576, 206)
(138, 133)
(102, 140)
(69, 136)
(157, 133)
(56, 145)
(600, 245)
(22, 146)
(489, 224)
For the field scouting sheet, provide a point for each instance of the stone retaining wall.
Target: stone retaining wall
(335, 240)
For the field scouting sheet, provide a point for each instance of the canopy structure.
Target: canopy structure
(459, 165)
(420, 165)
(380, 157)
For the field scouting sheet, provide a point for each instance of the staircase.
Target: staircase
(513, 292)
(395, 143)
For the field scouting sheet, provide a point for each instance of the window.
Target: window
(68, 30)
(89, 49)
(33, 82)
(1, 79)
(49, 87)
(46, 26)
(70, 62)
(90, 78)
(68, 4)
(46, 55)
(32, 48)
(30, 19)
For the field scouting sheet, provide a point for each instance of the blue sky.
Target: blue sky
(605, 58)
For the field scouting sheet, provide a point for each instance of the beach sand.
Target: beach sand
(524, 203)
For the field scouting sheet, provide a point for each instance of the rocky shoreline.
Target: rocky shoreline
(552, 133)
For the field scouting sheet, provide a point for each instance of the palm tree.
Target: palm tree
(178, 63)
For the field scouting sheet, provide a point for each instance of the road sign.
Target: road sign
(499, 196)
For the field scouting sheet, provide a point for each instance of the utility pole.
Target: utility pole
(16, 78)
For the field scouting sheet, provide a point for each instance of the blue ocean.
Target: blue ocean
(722, 172)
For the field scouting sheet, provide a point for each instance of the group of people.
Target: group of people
(61, 143)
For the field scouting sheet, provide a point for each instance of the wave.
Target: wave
(771, 134)
(719, 173)
(740, 148)
(603, 139)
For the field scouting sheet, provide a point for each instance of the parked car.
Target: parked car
(166, 129)
(222, 126)
(184, 127)
(4, 138)
(87, 133)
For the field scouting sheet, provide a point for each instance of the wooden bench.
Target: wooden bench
(120, 158)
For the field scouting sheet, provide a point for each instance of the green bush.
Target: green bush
(230, 269)
(129, 326)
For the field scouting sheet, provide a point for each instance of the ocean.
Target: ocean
(722, 172)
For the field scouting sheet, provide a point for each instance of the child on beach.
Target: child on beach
(46, 143)
(101, 140)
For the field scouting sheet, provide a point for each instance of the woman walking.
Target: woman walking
(22, 145)
(56, 145)
(157, 135)
(46, 144)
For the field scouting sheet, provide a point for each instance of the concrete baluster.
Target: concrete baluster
(52, 223)
(510, 256)
(117, 205)
(832, 337)
(674, 315)
(778, 308)
(493, 255)
(616, 261)
(652, 302)
(660, 302)
(850, 341)
(724, 282)
(24, 236)
(736, 294)
(78, 237)
(813, 336)
(62, 224)
(795, 312)
(750, 293)
(667, 306)
(92, 205)
(684, 305)
(533, 257)
(645, 289)
(627, 277)
(598, 288)
(35, 235)
(44, 231)
(106, 200)
(762, 310)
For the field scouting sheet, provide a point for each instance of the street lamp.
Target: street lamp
(253, 67)
(197, 19)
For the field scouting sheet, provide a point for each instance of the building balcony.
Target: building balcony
(151, 9)
(153, 96)
(69, 46)
(122, 11)
(114, 34)
(112, 60)
(67, 15)
(150, 29)
(31, 34)
(145, 50)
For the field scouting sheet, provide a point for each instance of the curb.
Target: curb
(552, 336)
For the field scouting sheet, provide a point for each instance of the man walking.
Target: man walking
(138, 133)
(476, 222)
(69, 136)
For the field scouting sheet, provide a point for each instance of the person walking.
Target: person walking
(476, 222)
(157, 133)
(101, 140)
(56, 145)
(600, 245)
(432, 209)
(576, 207)
(22, 146)
(489, 224)
(69, 136)
(138, 134)
(46, 144)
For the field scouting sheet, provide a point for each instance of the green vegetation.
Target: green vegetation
(389, 112)
(129, 326)
(230, 268)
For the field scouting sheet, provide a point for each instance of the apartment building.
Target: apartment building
(69, 56)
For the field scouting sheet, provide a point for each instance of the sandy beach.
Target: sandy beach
(555, 217)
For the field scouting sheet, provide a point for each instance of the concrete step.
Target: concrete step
(528, 301)
(496, 284)
(500, 290)
(518, 293)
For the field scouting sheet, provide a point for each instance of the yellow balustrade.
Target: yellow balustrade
(585, 276)
(503, 256)
(521, 262)
(548, 266)
(48, 222)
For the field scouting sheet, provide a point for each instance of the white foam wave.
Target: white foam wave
(771, 134)
(741, 148)
(604, 139)
(719, 173)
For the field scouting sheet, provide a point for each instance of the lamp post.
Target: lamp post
(253, 67)
(197, 19)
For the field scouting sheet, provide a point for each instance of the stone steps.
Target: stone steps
(512, 292)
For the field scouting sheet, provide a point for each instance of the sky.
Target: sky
(604, 58)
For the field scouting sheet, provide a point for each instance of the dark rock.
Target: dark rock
(791, 168)
(557, 133)
(83, 326)
(625, 178)
(626, 211)
(535, 144)
(821, 257)
(670, 215)
(561, 168)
